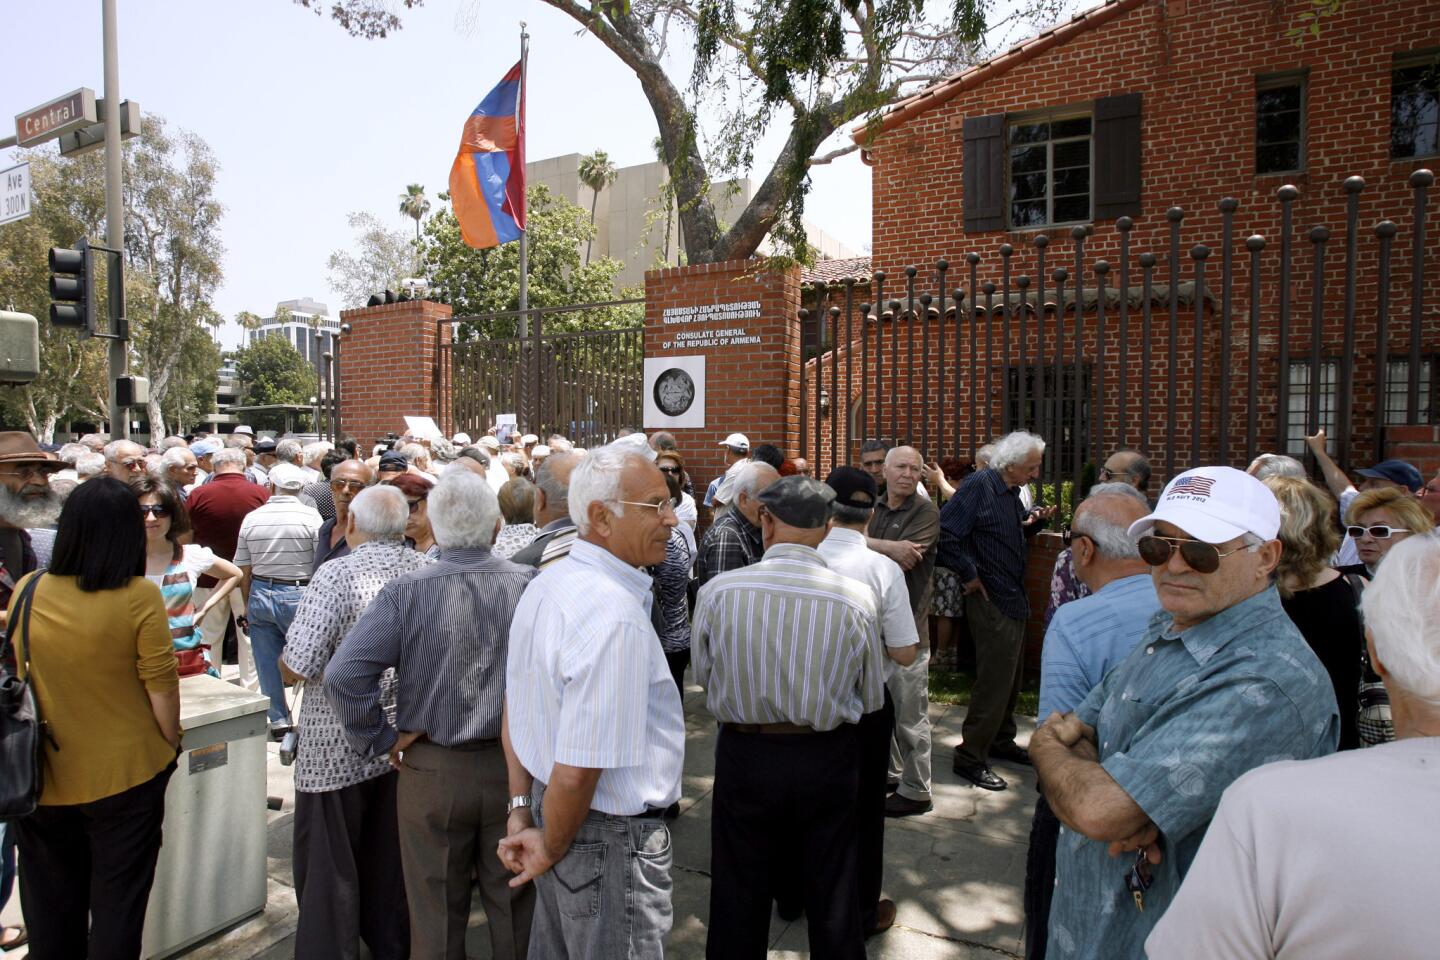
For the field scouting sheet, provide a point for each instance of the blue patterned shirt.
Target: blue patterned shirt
(1177, 722)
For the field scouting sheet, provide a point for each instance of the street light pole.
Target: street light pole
(114, 208)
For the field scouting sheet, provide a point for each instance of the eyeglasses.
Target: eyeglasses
(1381, 531)
(1106, 474)
(27, 470)
(661, 508)
(157, 510)
(134, 463)
(354, 486)
(675, 470)
(415, 504)
(1199, 556)
(1139, 879)
(1070, 536)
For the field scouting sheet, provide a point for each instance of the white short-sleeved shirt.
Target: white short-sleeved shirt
(845, 552)
(195, 559)
(587, 684)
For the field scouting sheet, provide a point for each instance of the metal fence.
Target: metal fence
(1191, 364)
(585, 384)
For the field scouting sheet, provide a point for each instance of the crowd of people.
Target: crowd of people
(480, 651)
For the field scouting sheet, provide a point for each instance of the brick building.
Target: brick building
(1125, 111)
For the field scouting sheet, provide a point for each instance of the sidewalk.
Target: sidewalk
(956, 874)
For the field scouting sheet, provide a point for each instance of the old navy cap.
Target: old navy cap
(265, 446)
(390, 460)
(798, 501)
(737, 440)
(1396, 471)
(1215, 505)
(853, 488)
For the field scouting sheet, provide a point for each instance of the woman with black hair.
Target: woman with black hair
(104, 672)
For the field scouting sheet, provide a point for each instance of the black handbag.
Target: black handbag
(23, 733)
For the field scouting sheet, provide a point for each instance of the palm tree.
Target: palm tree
(248, 321)
(414, 205)
(596, 172)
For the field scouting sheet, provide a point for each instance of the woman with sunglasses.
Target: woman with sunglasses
(1316, 597)
(176, 569)
(417, 528)
(1379, 519)
(673, 465)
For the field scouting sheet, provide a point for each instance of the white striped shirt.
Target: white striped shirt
(845, 552)
(277, 539)
(788, 640)
(587, 683)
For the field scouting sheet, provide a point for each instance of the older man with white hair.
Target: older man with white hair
(124, 460)
(733, 540)
(983, 538)
(348, 878)
(445, 631)
(1336, 857)
(595, 729)
(180, 468)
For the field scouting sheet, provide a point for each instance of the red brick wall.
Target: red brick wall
(389, 367)
(1195, 66)
(749, 388)
(1415, 443)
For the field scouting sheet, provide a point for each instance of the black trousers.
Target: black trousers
(677, 662)
(874, 730)
(348, 879)
(784, 805)
(86, 871)
(1040, 878)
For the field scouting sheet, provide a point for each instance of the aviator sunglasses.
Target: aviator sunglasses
(1199, 556)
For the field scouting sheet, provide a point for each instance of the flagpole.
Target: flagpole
(524, 234)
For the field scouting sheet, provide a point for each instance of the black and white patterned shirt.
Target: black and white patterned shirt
(334, 601)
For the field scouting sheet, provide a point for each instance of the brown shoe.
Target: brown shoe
(884, 917)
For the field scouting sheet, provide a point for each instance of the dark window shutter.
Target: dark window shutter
(983, 167)
(1117, 156)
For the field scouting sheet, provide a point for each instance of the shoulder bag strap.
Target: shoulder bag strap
(20, 623)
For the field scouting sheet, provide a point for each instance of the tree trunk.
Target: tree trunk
(594, 198)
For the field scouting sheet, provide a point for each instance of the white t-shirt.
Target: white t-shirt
(686, 512)
(195, 559)
(1316, 859)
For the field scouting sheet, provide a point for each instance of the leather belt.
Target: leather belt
(787, 728)
(280, 581)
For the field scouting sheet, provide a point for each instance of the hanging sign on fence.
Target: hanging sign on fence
(674, 392)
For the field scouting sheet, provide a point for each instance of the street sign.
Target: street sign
(56, 118)
(15, 193)
(91, 138)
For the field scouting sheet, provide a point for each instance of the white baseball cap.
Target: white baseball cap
(636, 443)
(1215, 505)
(287, 476)
(529, 438)
(541, 450)
(245, 429)
(461, 439)
(489, 442)
(737, 440)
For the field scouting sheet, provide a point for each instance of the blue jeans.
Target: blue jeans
(271, 608)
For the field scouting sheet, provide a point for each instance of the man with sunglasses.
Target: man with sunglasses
(124, 460)
(1221, 682)
(347, 479)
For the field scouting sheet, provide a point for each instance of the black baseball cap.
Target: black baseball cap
(853, 488)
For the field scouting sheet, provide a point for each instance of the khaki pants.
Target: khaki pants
(212, 628)
(991, 717)
(910, 748)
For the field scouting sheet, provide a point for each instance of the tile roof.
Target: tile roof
(833, 271)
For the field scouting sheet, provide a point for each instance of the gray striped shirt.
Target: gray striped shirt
(277, 539)
(445, 630)
(788, 640)
(588, 685)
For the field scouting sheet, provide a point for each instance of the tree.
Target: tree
(271, 370)
(414, 205)
(486, 281)
(378, 260)
(596, 172)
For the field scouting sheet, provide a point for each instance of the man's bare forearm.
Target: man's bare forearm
(566, 805)
(1083, 795)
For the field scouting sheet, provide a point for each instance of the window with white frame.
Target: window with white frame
(1396, 404)
(1048, 163)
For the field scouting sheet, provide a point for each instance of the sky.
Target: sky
(309, 124)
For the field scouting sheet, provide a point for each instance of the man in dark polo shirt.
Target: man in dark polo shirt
(216, 509)
(904, 517)
(346, 481)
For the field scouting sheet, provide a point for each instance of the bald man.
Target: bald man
(1085, 639)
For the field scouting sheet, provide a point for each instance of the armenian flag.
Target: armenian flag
(487, 180)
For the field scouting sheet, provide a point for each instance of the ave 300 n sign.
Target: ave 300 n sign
(15, 198)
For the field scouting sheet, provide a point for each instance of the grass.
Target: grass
(954, 688)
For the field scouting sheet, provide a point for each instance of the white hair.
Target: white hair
(1013, 448)
(559, 444)
(1112, 540)
(176, 457)
(312, 453)
(380, 512)
(1402, 612)
(463, 511)
(172, 441)
(1276, 465)
(113, 448)
(286, 451)
(596, 479)
(239, 441)
(235, 456)
(442, 450)
(749, 476)
(89, 465)
(71, 452)
(983, 455)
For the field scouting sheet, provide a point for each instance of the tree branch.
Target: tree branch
(832, 155)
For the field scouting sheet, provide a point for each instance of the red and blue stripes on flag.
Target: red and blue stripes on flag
(487, 180)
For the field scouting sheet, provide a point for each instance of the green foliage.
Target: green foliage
(378, 259)
(477, 282)
(271, 370)
(954, 687)
(1310, 22)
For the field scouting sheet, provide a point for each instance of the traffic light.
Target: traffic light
(72, 287)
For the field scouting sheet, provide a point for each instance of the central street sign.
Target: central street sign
(56, 118)
(15, 193)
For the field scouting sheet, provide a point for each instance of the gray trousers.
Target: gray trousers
(990, 720)
(608, 898)
(452, 817)
(910, 747)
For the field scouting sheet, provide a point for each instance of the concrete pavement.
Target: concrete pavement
(956, 874)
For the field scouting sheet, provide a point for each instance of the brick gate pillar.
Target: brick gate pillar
(752, 354)
(390, 366)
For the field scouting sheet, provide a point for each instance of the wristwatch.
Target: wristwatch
(516, 802)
